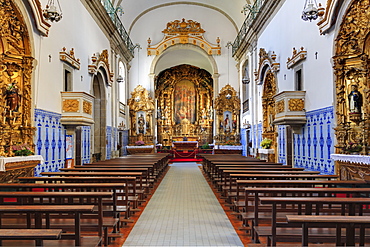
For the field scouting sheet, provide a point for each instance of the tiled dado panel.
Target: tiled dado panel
(111, 140)
(86, 144)
(50, 141)
(312, 148)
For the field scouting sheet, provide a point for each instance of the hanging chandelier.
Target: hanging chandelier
(53, 12)
(310, 10)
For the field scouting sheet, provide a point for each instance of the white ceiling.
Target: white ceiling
(134, 9)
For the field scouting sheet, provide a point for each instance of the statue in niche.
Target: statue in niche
(141, 124)
(355, 100)
(12, 97)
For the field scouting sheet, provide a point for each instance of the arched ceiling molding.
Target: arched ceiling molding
(41, 24)
(197, 49)
(181, 3)
(330, 16)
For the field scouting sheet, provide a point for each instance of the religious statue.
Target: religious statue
(227, 123)
(355, 100)
(12, 96)
(141, 123)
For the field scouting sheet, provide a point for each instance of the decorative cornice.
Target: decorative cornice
(184, 32)
(101, 60)
(69, 58)
(296, 57)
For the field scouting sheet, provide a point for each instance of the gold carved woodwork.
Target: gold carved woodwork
(101, 59)
(87, 107)
(173, 121)
(183, 32)
(296, 104)
(141, 107)
(280, 107)
(227, 102)
(69, 58)
(268, 67)
(71, 105)
(351, 67)
(296, 57)
(16, 66)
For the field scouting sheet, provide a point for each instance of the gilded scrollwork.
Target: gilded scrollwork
(280, 106)
(179, 115)
(71, 105)
(16, 66)
(296, 104)
(87, 107)
(183, 32)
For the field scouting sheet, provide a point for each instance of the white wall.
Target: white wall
(288, 30)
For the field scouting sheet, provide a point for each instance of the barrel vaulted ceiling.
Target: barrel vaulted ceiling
(135, 9)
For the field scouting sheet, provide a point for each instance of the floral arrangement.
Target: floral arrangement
(205, 146)
(22, 150)
(266, 143)
(140, 143)
(229, 143)
(352, 148)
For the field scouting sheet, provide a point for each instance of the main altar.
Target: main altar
(184, 106)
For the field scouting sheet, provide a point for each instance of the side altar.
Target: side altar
(19, 166)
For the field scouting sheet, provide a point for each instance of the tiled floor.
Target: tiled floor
(183, 212)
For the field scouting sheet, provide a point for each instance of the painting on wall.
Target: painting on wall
(185, 102)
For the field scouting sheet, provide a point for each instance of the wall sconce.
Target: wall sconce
(310, 10)
(120, 79)
(53, 12)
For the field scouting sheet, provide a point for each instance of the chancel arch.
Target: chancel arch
(184, 95)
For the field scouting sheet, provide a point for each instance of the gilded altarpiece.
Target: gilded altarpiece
(351, 68)
(227, 107)
(268, 67)
(141, 107)
(184, 106)
(16, 65)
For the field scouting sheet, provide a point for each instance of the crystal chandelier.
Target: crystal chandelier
(310, 10)
(53, 12)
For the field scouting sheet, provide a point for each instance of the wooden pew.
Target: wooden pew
(348, 222)
(38, 235)
(65, 198)
(39, 210)
(350, 206)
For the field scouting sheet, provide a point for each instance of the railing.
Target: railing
(252, 14)
(112, 12)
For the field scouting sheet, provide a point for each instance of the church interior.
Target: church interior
(248, 103)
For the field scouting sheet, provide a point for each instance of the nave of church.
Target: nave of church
(138, 85)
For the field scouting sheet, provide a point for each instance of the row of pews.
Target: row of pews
(278, 204)
(82, 206)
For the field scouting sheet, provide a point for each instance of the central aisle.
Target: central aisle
(183, 212)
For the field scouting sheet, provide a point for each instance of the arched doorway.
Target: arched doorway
(99, 127)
